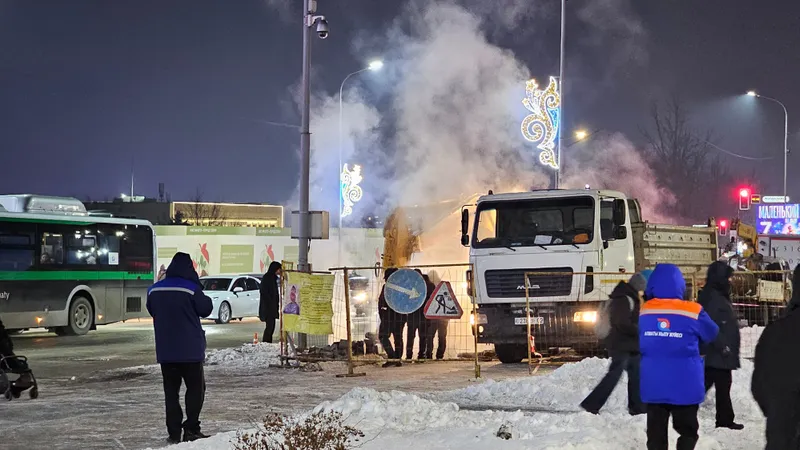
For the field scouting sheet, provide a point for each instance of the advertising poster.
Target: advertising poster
(779, 219)
(236, 259)
(308, 303)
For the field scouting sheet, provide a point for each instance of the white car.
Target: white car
(233, 296)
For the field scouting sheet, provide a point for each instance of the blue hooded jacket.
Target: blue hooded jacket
(177, 303)
(670, 333)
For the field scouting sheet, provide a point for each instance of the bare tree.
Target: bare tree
(684, 160)
(199, 212)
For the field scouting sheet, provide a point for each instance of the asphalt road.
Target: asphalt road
(114, 346)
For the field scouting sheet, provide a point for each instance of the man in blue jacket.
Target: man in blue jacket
(672, 371)
(177, 303)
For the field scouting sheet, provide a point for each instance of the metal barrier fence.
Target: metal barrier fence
(563, 309)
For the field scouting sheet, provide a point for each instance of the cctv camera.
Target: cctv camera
(322, 29)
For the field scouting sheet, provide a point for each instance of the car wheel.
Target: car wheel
(224, 313)
(80, 318)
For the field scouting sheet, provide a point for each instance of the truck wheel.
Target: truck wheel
(510, 353)
(80, 318)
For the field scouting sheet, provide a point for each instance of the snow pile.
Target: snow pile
(561, 390)
(399, 420)
(750, 336)
(248, 356)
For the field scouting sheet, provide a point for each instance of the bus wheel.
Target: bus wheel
(80, 317)
(224, 314)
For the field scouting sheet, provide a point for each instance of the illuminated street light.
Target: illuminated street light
(785, 135)
(581, 135)
(375, 65)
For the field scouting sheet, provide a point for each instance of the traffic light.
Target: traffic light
(744, 199)
(723, 227)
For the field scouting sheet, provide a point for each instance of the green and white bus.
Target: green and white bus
(69, 271)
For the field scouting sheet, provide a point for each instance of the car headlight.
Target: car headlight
(585, 316)
(361, 297)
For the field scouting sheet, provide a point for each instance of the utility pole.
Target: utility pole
(561, 91)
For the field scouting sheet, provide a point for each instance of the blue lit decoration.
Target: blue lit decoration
(351, 191)
(541, 126)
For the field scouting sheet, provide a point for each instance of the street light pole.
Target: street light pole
(561, 89)
(373, 66)
(304, 233)
(785, 136)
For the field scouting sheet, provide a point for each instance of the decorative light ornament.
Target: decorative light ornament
(542, 124)
(351, 191)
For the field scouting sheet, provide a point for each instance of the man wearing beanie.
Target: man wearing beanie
(673, 383)
(623, 347)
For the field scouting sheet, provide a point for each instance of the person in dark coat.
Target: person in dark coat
(721, 355)
(391, 325)
(776, 384)
(269, 303)
(623, 347)
(418, 325)
(177, 303)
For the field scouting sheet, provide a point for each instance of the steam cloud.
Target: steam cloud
(452, 125)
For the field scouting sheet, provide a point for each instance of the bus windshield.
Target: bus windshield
(539, 222)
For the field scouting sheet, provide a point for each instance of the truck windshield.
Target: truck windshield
(538, 222)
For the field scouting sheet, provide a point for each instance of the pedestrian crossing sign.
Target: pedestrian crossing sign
(443, 303)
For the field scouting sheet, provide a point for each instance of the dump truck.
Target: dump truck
(573, 246)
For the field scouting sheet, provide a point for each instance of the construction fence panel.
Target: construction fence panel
(448, 339)
(758, 298)
(563, 311)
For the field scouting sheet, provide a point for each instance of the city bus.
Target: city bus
(69, 271)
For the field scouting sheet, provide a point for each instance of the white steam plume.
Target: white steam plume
(452, 128)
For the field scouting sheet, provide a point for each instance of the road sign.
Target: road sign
(774, 199)
(405, 291)
(443, 303)
(755, 199)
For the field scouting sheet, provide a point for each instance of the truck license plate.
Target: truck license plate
(534, 321)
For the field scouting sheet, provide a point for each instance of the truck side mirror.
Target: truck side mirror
(465, 227)
(621, 232)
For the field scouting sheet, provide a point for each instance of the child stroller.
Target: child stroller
(16, 377)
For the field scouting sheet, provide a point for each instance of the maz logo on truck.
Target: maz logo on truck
(521, 287)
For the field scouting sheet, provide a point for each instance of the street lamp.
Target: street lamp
(581, 135)
(785, 136)
(373, 66)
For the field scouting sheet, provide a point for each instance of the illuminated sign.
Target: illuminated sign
(774, 199)
(779, 219)
(541, 125)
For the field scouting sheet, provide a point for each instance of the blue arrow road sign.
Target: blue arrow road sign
(405, 291)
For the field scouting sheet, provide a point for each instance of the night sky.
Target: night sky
(177, 88)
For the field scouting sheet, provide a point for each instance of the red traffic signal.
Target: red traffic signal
(744, 199)
(723, 227)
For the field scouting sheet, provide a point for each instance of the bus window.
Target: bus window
(136, 249)
(17, 248)
(81, 248)
(52, 250)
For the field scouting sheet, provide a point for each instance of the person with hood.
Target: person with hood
(269, 303)
(776, 384)
(721, 355)
(177, 303)
(672, 376)
(391, 325)
(623, 347)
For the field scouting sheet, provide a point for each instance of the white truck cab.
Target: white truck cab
(563, 234)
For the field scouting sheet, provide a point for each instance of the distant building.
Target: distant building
(192, 213)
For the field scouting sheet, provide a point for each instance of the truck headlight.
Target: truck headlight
(481, 319)
(585, 316)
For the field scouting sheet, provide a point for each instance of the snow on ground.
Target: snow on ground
(548, 417)
(750, 336)
(251, 356)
